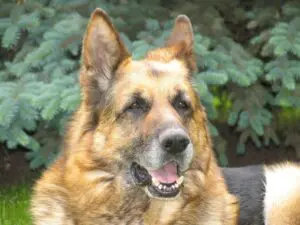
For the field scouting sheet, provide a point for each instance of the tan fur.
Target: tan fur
(282, 196)
(86, 185)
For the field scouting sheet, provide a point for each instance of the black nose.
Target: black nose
(174, 141)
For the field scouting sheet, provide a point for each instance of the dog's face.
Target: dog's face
(155, 111)
(149, 118)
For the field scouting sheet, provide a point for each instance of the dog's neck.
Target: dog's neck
(162, 211)
(145, 210)
(196, 193)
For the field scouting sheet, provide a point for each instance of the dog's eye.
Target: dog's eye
(181, 105)
(138, 106)
(134, 106)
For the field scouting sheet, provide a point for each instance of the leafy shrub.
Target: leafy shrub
(247, 52)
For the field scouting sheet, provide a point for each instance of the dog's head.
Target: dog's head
(146, 115)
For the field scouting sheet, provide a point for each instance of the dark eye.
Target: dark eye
(135, 106)
(138, 106)
(182, 105)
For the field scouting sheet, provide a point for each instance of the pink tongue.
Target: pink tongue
(166, 174)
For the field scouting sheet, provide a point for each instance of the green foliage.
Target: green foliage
(248, 60)
(14, 205)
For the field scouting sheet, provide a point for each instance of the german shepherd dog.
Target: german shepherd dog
(138, 149)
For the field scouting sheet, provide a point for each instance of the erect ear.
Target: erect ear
(182, 38)
(182, 33)
(102, 52)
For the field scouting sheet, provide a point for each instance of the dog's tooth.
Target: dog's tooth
(180, 180)
(160, 186)
(176, 185)
(155, 182)
(164, 187)
(173, 187)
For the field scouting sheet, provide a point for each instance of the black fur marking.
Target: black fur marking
(247, 183)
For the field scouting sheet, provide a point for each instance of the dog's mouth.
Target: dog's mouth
(164, 182)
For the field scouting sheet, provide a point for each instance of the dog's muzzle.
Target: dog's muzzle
(160, 169)
(162, 183)
(174, 141)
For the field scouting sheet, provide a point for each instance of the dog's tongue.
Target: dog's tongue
(166, 174)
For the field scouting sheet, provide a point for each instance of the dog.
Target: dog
(138, 151)
(268, 194)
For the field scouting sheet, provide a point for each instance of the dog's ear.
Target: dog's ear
(102, 52)
(182, 39)
(182, 33)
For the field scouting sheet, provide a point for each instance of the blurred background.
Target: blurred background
(248, 55)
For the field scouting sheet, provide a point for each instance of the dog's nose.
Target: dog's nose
(174, 141)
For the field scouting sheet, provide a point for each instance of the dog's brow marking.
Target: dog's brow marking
(159, 67)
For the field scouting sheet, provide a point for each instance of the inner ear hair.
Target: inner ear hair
(181, 40)
(102, 52)
(182, 33)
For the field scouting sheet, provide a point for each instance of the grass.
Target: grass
(14, 205)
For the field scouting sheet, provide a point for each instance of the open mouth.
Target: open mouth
(164, 182)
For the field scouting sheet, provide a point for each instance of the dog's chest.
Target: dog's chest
(125, 216)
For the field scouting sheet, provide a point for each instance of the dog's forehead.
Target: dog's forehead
(173, 71)
(173, 68)
(153, 78)
(149, 75)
